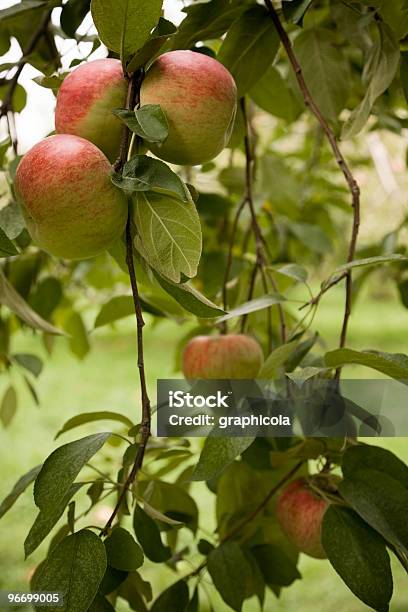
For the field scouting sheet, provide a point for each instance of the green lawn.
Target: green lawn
(107, 380)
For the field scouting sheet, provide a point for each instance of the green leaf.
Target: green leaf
(148, 535)
(125, 26)
(160, 35)
(369, 261)
(250, 47)
(117, 308)
(359, 556)
(217, 454)
(168, 234)
(374, 457)
(381, 66)
(19, 98)
(173, 502)
(206, 21)
(122, 552)
(381, 501)
(32, 363)
(13, 300)
(11, 220)
(253, 306)
(272, 366)
(194, 604)
(294, 10)
(274, 96)
(135, 591)
(62, 467)
(276, 567)
(47, 519)
(19, 488)
(90, 417)
(75, 568)
(394, 365)
(101, 604)
(294, 271)
(311, 236)
(7, 248)
(8, 406)
(159, 516)
(190, 299)
(72, 15)
(144, 173)
(228, 568)
(78, 342)
(173, 599)
(149, 122)
(324, 70)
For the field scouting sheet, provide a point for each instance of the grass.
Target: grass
(107, 380)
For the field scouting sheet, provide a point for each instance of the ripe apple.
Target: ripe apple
(222, 357)
(199, 97)
(70, 206)
(85, 101)
(300, 511)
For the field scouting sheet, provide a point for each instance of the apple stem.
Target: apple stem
(132, 100)
(340, 159)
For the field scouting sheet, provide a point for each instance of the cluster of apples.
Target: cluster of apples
(63, 185)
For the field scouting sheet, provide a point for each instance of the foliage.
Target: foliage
(245, 249)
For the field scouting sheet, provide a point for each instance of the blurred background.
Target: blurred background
(77, 379)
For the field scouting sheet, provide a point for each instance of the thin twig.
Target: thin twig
(32, 43)
(260, 244)
(348, 175)
(325, 288)
(133, 98)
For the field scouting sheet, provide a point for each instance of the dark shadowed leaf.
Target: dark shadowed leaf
(136, 591)
(19, 488)
(173, 599)
(75, 568)
(148, 535)
(8, 406)
(72, 15)
(228, 568)
(117, 308)
(374, 457)
(123, 553)
(7, 248)
(217, 454)
(359, 556)
(381, 501)
(276, 567)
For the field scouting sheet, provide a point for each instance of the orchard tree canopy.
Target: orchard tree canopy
(214, 172)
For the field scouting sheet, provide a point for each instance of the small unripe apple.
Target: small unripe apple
(199, 97)
(85, 102)
(300, 512)
(70, 205)
(231, 356)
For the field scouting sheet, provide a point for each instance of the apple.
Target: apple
(221, 357)
(199, 97)
(85, 102)
(300, 512)
(70, 205)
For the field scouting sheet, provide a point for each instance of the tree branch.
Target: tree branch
(133, 99)
(40, 31)
(351, 181)
(259, 239)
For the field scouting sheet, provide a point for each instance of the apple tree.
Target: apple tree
(266, 103)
